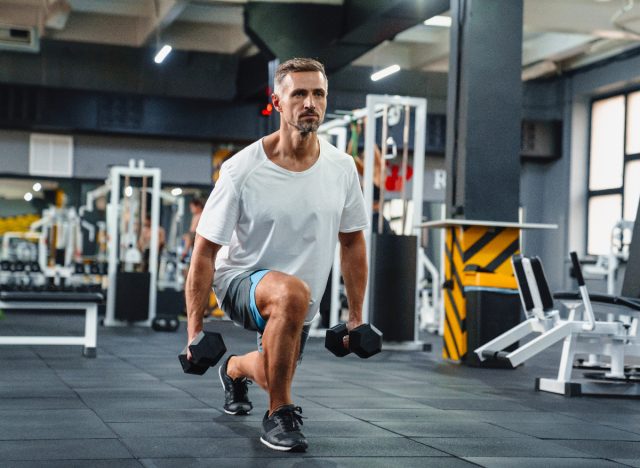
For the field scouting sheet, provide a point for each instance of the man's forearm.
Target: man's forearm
(197, 291)
(353, 257)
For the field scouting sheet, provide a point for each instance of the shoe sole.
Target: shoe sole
(295, 448)
(237, 413)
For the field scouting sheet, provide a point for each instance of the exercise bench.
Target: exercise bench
(56, 300)
(581, 334)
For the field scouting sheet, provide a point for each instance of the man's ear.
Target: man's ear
(275, 99)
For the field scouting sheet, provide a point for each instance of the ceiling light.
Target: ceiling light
(176, 191)
(128, 191)
(385, 72)
(57, 14)
(441, 21)
(37, 187)
(28, 196)
(162, 53)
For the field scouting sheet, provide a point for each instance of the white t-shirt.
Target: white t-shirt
(268, 217)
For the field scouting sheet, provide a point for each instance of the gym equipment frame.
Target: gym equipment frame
(56, 300)
(380, 106)
(419, 107)
(583, 336)
(120, 230)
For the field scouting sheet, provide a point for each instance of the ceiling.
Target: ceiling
(558, 34)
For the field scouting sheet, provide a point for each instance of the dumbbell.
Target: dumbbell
(206, 350)
(364, 340)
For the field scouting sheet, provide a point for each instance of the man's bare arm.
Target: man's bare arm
(199, 281)
(353, 257)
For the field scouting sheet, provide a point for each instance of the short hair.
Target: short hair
(197, 201)
(295, 65)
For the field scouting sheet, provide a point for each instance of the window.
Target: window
(614, 167)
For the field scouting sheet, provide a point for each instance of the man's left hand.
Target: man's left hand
(351, 324)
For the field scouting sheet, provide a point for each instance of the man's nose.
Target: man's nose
(309, 103)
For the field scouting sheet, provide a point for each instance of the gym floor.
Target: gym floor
(133, 406)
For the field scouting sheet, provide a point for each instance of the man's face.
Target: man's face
(302, 100)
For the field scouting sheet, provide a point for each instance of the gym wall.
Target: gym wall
(182, 162)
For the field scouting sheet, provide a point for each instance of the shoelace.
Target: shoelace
(290, 419)
(240, 389)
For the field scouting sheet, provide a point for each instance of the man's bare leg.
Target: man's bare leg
(283, 301)
(251, 366)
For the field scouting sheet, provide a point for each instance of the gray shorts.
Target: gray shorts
(240, 305)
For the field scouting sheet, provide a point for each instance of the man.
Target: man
(195, 207)
(378, 180)
(278, 208)
(144, 242)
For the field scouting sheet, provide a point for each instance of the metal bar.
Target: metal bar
(42, 340)
(369, 161)
(91, 326)
(153, 246)
(417, 195)
(383, 168)
(539, 343)
(405, 163)
(507, 338)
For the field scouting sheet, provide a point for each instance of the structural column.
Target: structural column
(484, 110)
(483, 173)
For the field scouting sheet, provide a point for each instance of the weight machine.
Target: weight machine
(399, 334)
(170, 275)
(389, 109)
(606, 267)
(582, 335)
(61, 246)
(131, 295)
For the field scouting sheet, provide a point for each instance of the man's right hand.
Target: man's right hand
(189, 341)
(198, 285)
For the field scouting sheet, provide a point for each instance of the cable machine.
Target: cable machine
(131, 294)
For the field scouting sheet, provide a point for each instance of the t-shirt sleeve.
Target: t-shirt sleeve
(354, 216)
(220, 214)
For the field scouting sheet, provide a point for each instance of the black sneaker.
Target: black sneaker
(282, 430)
(236, 400)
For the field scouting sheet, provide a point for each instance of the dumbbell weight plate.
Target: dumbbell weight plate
(333, 340)
(189, 367)
(206, 350)
(365, 340)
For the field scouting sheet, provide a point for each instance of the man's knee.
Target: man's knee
(284, 294)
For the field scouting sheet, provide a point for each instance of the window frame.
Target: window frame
(626, 158)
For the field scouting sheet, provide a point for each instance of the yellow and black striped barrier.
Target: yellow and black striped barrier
(477, 259)
(477, 256)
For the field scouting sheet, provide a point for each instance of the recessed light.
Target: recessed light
(385, 72)
(441, 21)
(162, 53)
